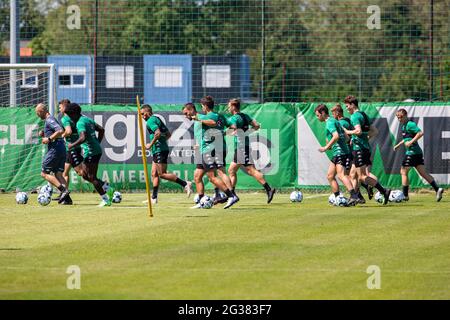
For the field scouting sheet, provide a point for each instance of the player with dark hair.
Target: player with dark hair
(242, 124)
(338, 114)
(92, 150)
(336, 140)
(158, 135)
(361, 147)
(74, 158)
(209, 137)
(413, 156)
(53, 161)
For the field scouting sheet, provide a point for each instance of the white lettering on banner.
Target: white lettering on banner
(142, 176)
(13, 140)
(128, 145)
(31, 135)
(4, 141)
(131, 176)
(310, 160)
(105, 176)
(118, 177)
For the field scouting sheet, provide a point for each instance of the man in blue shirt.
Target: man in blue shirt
(55, 157)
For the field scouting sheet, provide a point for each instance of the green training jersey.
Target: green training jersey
(67, 122)
(203, 136)
(340, 147)
(409, 131)
(154, 123)
(362, 141)
(91, 146)
(241, 121)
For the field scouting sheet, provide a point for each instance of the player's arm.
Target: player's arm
(67, 132)
(255, 125)
(101, 132)
(156, 137)
(357, 131)
(398, 145)
(206, 122)
(330, 143)
(55, 135)
(415, 139)
(81, 139)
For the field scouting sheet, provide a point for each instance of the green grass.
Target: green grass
(253, 251)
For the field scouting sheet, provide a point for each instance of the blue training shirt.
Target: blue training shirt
(50, 127)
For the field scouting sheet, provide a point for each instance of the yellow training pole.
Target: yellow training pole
(144, 157)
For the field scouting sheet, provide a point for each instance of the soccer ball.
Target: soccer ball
(206, 202)
(21, 198)
(46, 189)
(341, 201)
(296, 196)
(379, 197)
(332, 199)
(44, 199)
(396, 196)
(117, 197)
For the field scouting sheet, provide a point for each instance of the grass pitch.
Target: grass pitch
(252, 251)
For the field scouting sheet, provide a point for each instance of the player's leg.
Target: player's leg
(163, 174)
(54, 162)
(90, 174)
(368, 187)
(232, 172)
(200, 187)
(66, 172)
(331, 177)
(155, 182)
(216, 181)
(356, 184)
(429, 178)
(345, 179)
(405, 181)
(252, 171)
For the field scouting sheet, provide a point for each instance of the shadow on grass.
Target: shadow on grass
(10, 249)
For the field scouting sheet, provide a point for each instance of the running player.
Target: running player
(158, 135)
(208, 139)
(338, 114)
(241, 123)
(414, 156)
(337, 142)
(92, 150)
(360, 146)
(54, 158)
(74, 158)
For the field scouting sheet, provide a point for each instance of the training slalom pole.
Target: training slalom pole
(144, 157)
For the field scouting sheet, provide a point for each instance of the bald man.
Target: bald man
(55, 157)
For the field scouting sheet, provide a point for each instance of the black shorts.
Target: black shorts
(243, 156)
(54, 161)
(161, 157)
(93, 159)
(212, 161)
(74, 157)
(362, 157)
(344, 160)
(413, 160)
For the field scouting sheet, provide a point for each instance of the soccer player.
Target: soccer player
(361, 147)
(241, 124)
(92, 150)
(337, 142)
(158, 135)
(338, 114)
(414, 156)
(212, 154)
(74, 158)
(54, 158)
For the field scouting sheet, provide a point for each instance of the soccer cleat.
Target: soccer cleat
(361, 199)
(197, 206)
(67, 201)
(154, 200)
(231, 201)
(270, 195)
(386, 196)
(370, 192)
(188, 188)
(104, 203)
(406, 198)
(219, 199)
(110, 192)
(439, 194)
(63, 196)
(352, 202)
